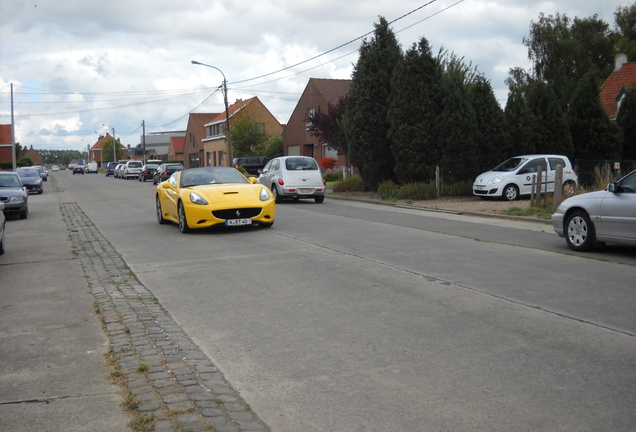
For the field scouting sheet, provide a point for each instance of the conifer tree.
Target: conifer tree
(626, 120)
(521, 124)
(414, 114)
(365, 122)
(553, 132)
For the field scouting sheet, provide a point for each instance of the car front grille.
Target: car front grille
(237, 213)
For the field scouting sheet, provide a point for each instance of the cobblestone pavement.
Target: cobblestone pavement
(170, 384)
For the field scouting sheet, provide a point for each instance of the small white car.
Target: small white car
(513, 178)
(131, 169)
(592, 219)
(293, 177)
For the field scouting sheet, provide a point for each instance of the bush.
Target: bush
(387, 190)
(464, 188)
(417, 191)
(350, 184)
(332, 176)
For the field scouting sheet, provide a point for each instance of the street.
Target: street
(348, 316)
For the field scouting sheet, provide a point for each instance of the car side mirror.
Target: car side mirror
(165, 184)
(252, 180)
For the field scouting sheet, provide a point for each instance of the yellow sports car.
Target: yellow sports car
(203, 197)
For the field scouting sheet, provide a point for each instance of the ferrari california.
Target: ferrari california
(204, 197)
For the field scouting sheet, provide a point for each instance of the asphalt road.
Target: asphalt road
(356, 317)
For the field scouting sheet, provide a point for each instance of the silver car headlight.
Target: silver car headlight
(15, 198)
(197, 199)
(495, 180)
(265, 194)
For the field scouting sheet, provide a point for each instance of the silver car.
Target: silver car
(593, 219)
(293, 177)
(13, 194)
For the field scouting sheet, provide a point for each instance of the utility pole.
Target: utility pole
(143, 139)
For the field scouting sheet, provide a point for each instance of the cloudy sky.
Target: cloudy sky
(78, 64)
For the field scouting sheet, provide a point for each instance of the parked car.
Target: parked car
(131, 169)
(110, 168)
(592, 219)
(13, 194)
(2, 226)
(293, 177)
(164, 171)
(55, 168)
(31, 179)
(251, 163)
(91, 167)
(43, 172)
(78, 169)
(118, 170)
(147, 171)
(204, 197)
(513, 177)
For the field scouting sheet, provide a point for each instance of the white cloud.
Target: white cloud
(77, 64)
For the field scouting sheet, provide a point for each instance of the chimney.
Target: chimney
(619, 61)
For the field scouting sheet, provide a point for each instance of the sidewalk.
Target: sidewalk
(68, 300)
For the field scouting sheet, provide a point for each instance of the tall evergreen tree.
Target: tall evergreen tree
(491, 135)
(625, 18)
(553, 132)
(365, 122)
(414, 114)
(626, 120)
(595, 137)
(521, 125)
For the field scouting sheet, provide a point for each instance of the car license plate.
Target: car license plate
(238, 222)
(305, 190)
(480, 188)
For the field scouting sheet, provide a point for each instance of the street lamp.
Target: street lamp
(227, 112)
(114, 142)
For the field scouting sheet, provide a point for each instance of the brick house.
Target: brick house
(175, 148)
(193, 143)
(6, 143)
(35, 156)
(318, 94)
(215, 141)
(615, 86)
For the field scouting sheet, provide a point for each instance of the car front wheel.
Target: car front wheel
(569, 188)
(275, 194)
(160, 218)
(579, 231)
(183, 221)
(510, 193)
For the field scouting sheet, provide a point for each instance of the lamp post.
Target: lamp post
(114, 142)
(227, 112)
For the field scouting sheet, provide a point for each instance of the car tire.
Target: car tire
(319, 199)
(579, 231)
(510, 192)
(275, 194)
(569, 188)
(183, 220)
(24, 214)
(160, 218)
(40, 192)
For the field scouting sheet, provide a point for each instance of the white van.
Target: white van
(513, 178)
(131, 169)
(91, 167)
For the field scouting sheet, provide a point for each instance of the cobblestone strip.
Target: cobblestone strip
(174, 386)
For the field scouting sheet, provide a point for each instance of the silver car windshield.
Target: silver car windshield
(510, 165)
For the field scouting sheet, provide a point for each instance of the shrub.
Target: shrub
(350, 184)
(464, 188)
(328, 163)
(417, 191)
(387, 190)
(332, 176)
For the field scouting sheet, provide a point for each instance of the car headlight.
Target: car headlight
(38, 182)
(495, 180)
(265, 194)
(197, 199)
(16, 198)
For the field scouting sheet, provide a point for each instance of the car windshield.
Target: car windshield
(28, 172)
(134, 164)
(211, 175)
(151, 166)
(510, 165)
(173, 168)
(300, 164)
(9, 181)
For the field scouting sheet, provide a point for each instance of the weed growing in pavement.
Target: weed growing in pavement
(218, 401)
(143, 367)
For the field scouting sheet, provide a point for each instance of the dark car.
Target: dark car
(251, 163)
(44, 173)
(78, 169)
(110, 168)
(13, 195)
(164, 171)
(147, 171)
(31, 179)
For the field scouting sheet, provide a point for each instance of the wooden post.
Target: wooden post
(558, 185)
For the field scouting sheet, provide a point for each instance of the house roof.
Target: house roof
(624, 77)
(331, 89)
(232, 109)
(100, 142)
